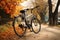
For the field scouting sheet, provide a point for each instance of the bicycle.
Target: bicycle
(24, 21)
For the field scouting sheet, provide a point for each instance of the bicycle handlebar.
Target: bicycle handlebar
(32, 8)
(23, 11)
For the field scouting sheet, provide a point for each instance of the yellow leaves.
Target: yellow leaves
(42, 4)
(10, 6)
(17, 11)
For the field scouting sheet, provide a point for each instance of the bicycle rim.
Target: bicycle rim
(18, 29)
(36, 26)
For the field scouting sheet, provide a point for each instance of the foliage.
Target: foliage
(10, 6)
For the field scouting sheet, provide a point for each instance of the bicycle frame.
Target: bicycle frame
(28, 18)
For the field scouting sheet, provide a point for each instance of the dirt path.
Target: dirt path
(47, 33)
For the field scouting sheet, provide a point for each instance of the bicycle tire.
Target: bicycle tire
(15, 30)
(39, 26)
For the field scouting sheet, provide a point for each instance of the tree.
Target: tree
(53, 15)
(50, 13)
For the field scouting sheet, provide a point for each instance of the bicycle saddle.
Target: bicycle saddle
(22, 11)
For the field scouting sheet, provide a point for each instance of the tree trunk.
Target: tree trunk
(53, 17)
(55, 14)
(50, 13)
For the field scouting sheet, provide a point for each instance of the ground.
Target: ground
(46, 33)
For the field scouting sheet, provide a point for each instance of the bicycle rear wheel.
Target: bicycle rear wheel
(36, 25)
(19, 29)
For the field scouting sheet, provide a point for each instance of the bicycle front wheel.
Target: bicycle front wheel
(36, 25)
(19, 29)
